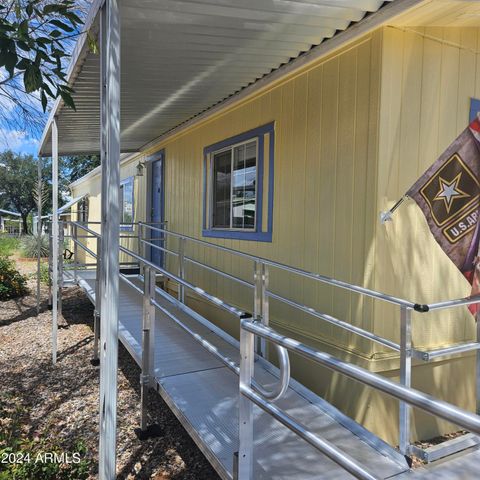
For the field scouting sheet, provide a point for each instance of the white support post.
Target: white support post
(39, 228)
(109, 285)
(98, 302)
(405, 376)
(245, 407)
(54, 240)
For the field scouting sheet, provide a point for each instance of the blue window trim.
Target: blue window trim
(474, 108)
(124, 227)
(256, 235)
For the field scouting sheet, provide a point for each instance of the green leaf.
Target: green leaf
(32, 78)
(61, 25)
(29, 9)
(9, 60)
(23, 46)
(75, 19)
(56, 33)
(43, 97)
(67, 98)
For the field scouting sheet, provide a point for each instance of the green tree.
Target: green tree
(75, 167)
(35, 40)
(18, 184)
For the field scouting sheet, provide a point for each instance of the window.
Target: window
(126, 203)
(234, 187)
(238, 182)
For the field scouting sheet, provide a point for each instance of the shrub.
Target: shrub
(8, 245)
(44, 273)
(12, 283)
(30, 246)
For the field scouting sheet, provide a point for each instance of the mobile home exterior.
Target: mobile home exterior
(297, 172)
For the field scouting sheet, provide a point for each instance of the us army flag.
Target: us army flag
(448, 194)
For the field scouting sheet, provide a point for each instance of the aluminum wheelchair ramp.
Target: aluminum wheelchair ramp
(203, 393)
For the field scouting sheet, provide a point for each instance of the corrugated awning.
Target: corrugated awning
(181, 57)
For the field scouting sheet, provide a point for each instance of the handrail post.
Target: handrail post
(147, 378)
(261, 302)
(405, 377)
(245, 406)
(181, 268)
(257, 301)
(50, 265)
(98, 299)
(140, 246)
(265, 307)
(75, 251)
(61, 241)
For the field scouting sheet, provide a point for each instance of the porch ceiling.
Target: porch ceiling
(181, 57)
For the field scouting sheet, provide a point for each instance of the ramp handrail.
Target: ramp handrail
(250, 329)
(262, 295)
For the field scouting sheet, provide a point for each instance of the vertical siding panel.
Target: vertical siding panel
(328, 161)
(311, 220)
(344, 185)
(360, 194)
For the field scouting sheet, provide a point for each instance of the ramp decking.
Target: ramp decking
(203, 393)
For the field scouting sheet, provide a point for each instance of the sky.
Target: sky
(18, 141)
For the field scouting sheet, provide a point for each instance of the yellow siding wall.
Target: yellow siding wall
(429, 75)
(352, 133)
(324, 201)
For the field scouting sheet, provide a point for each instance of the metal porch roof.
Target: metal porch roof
(181, 57)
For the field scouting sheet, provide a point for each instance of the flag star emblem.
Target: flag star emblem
(449, 191)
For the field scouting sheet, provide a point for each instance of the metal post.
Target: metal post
(109, 283)
(75, 252)
(39, 229)
(405, 376)
(257, 300)
(61, 239)
(245, 407)
(265, 306)
(50, 256)
(139, 240)
(54, 239)
(98, 302)
(181, 268)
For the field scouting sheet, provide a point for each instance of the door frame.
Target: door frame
(160, 155)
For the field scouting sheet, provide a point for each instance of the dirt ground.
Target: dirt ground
(62, 400)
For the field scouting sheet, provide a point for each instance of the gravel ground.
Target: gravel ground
(62, 400)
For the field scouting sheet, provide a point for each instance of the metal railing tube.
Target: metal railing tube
(204, 343)
(131, 284)
(338, 323)
(75, 251)
(425, 402)
(331, 451)
(219, 272)
(321, 278)
(84, 247)
(202, 293)
(459, 302)
(158, 247)
(281, 386)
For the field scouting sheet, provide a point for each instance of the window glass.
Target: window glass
(244, 179)
(222, 172)
(126, 201)
(234, 187)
